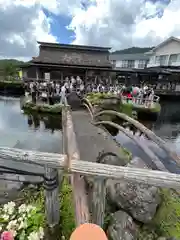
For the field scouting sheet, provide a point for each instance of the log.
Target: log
(99, 201)
(151, 135)
(90, 112)
(33, 160)
(78, 184)
(52, 160)
(153, 161)
(20, 178)
(88, 103)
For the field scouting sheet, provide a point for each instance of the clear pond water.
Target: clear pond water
(33, 132)
(43, 133)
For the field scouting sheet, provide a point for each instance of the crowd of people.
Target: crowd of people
(56, 91)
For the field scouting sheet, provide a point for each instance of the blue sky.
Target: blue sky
(58, 27)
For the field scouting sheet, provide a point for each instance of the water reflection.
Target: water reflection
(36, 132)
(167, 127)
(24, 131)
(48, 122)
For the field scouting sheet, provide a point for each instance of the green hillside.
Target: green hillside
(9, 67)
(133, 50)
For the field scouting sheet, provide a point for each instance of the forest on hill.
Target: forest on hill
(9, 67)
(133, 50)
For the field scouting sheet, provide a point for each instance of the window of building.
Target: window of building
(142, 63)
(124, 64)
(113, 62)
(163, 60)
(157, 60)
(131, 64)
(173, 58)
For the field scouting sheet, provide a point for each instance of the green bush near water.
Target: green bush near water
(11, 84)
(42, 108)
(97, 98)
(127, 108)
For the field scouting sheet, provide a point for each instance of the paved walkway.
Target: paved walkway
(92, 140)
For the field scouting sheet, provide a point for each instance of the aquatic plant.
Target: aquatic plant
(23, 222)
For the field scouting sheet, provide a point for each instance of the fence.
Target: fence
(146, 102)
(51, 168)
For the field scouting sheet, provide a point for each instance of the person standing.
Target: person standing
(63, 95)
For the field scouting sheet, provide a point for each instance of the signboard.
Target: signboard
(47, 76)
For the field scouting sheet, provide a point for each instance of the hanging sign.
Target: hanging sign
(47, 76)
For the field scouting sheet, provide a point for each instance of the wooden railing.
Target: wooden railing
(51, 167)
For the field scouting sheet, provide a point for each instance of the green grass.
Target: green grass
(67, 210)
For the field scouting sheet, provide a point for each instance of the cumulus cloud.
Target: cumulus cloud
(22, 23)
(126, 23)
(115, 23)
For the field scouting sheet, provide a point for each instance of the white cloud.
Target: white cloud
(126, 23)
(115, 23)
(22, 24)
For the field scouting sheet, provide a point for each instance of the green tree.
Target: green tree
(10, 70)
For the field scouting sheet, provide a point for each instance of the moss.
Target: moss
(126, 153)
(126, 108)
(167, 218)
(67, 209)
(46, 108)
(147, 233)
(166, 221)
(98, 98)
(157, 108)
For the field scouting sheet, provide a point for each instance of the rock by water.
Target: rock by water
(122, 227)
(140, 200)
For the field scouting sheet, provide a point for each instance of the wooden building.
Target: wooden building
(57, 61)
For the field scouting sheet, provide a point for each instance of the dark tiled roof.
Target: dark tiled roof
(73, 57)
(72, 46)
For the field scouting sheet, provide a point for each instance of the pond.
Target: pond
(32, 132)
(43, 133)
(167, 127)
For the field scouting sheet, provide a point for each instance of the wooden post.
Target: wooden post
(52, 206)
(98, 201)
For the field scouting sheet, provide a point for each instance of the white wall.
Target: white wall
(168, 49)
(172, 47)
